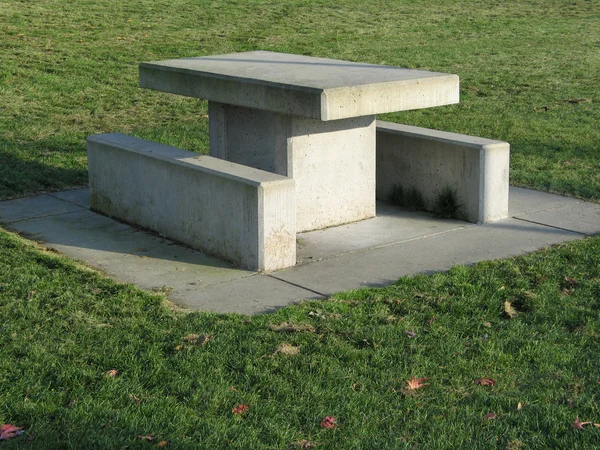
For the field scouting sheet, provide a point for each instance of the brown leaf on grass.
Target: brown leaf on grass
(239, 409)
(328, 422)
(490, 416)
(162, 444)
(515, 445)
(287, 349)
(304, 443)
(569, 283)
(135, 398)
(510, 312)
(148, 437)
(485, 381)
(577, 425)
(416, 383)
(9, 431)
(112, 373)
(197, 339)
(290, 327)
(519, 406)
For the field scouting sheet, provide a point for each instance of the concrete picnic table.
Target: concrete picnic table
(310, 119)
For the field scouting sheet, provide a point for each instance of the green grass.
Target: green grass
(65, 326)
(69, 69)
(529, 75)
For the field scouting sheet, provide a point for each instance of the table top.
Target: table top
(319, 88)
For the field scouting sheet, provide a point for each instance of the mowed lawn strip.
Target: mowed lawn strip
(89, 363)
(529, 74)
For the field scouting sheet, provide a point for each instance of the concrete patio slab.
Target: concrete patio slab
(383, 266)
(80, 197)
(581, 217)
(374, 252)
(392, 225)
(33, 207)
(130, 255)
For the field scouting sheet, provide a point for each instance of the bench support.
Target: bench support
(333, 162)
(237, 213)
(430, 160)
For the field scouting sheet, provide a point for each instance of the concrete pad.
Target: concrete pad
(250, 295)
(582, 217)
(129, 255)
(525, 201)
(31, 207)
(80, 197)
(375, 252)
(317, 88)
(392, 225)
(383, 266)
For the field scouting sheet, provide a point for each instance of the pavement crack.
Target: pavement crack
(298, 286)
(552, 226)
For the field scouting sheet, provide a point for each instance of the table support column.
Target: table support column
(332, 162)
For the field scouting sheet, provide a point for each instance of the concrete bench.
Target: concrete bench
(429, 160)
(240, 214)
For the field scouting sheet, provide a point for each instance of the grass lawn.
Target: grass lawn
(530, 75)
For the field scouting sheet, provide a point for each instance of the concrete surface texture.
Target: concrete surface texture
(240, 214)
(317, 88)
(332, 163)
(374, 252)
(431, 160)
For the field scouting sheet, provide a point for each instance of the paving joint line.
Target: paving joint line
(81, 208)
(553, 226)
(298, 286)
(377, 247)
(51, 194)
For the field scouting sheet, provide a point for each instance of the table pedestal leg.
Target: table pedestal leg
(332, 163)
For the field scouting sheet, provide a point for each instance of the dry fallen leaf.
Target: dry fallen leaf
(304, 443)
(579, 425)
(485, 381)
(162, 444)
(416, 383)
(197, 339)
(509, 310)
(287, 349)
(328, 422)
(112, 373)
(135, 398)
(519, 406)
(8, 431)
(148, 437)
(410, 334)
(239, 409)
(292, 327)
(490, 416)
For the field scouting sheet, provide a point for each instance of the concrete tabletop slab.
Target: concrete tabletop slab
(374, 252)
(317, 88)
